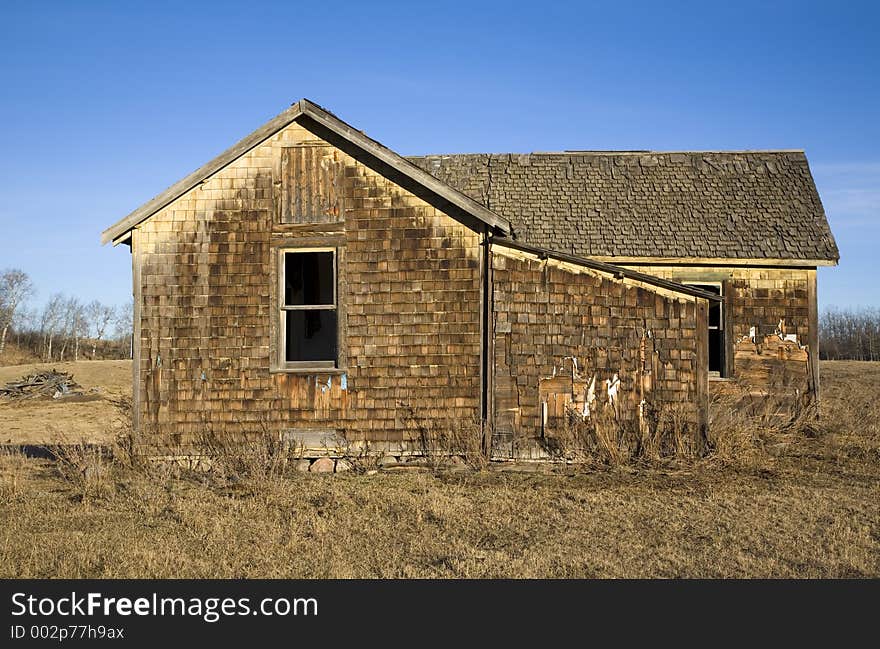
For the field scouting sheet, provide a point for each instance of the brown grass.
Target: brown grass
(15, 355)
(770, 501)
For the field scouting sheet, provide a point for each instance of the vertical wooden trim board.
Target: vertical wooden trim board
(137, 296)
(702, 366)
(729, 328)
(312, 184)
(813, 326)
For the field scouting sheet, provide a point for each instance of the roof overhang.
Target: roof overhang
(617, 272)
(355, 143)
(716, 261)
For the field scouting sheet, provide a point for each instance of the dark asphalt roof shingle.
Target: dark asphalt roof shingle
(742, 205)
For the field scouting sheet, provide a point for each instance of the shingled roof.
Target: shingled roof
(752, 205)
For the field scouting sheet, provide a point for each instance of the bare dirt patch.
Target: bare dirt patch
(86, 417)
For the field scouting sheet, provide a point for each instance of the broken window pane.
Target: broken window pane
(715, 315)
(308, 278)
(311, 335)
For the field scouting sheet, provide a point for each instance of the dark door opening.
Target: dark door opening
(716, 329)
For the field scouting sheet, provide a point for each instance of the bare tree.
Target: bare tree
(58, 329)
(100, 316)
(124, 325)
(851, 334)
(15, 288)
(26, 322)
(75, 326)
(51, 322)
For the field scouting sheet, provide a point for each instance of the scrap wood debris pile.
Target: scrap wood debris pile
(51, 384)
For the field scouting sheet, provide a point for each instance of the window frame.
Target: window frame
(723, 372)
(282, 309)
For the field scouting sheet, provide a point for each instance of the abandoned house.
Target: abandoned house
(313, 283)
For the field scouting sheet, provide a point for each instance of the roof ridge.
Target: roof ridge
(617, 152)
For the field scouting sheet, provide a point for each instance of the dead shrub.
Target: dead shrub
(600, 437)
(255, 460)
(87, 467)
(676, 435)
(606, 438)
(127, 447)
(439, 440)
(735, 440)
(363, 459)
(745, 424)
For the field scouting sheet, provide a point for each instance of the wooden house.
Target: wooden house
(312, 283)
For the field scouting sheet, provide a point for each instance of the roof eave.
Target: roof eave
(145, 211)
(611, 269)
(447, 195)
(400, 164)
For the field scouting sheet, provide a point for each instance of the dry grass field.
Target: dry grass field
(766, 503)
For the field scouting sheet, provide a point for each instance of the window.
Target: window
(716, 329)
(308, 319)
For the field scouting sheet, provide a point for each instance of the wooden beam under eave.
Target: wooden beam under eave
(813, 330)
(126, 237)
(713, 261)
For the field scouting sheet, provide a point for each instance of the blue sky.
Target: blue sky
(106, 104)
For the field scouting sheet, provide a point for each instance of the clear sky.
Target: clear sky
(103, 105)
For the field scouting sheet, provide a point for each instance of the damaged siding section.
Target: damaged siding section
(773, 369)
(772, 329)
(574, 346)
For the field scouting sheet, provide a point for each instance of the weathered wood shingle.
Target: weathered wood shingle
(739, 205)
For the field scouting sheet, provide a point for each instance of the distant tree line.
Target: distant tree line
(850, 334)
(65, 328)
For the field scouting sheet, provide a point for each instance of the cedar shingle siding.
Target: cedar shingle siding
(558, 329)
(409, 289)
(445, 315)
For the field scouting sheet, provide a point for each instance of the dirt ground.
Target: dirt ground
(89, 417)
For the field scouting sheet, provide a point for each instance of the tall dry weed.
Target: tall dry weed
(13, 469)
(257, 459)
(87, 467)
(439, 440)
(606, 438)
(744, 425)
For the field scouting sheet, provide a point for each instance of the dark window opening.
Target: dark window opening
(716, 351)
(311, 335)
(308, 278)
(308, 310)
(716, 330)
